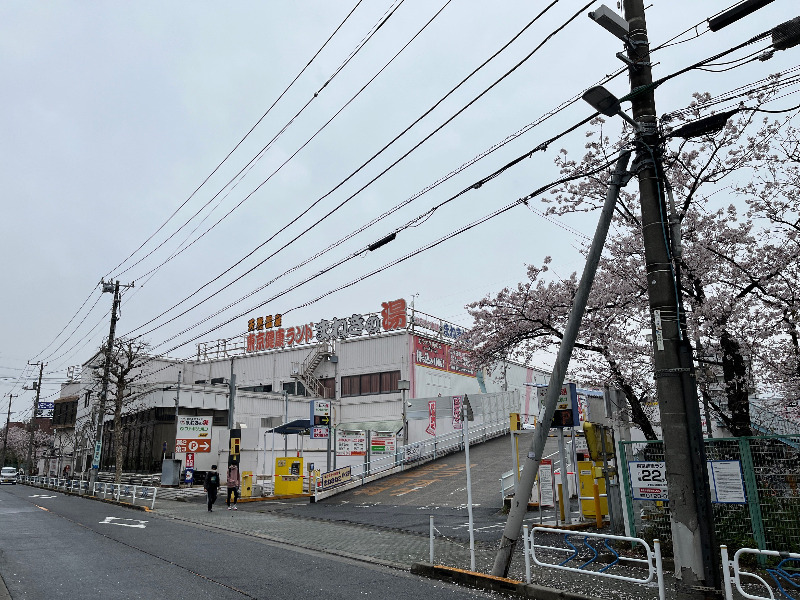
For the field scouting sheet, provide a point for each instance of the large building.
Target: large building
(369, 366)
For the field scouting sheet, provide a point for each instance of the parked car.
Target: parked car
(8, 475)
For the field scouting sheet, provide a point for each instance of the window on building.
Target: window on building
(257, 388)
(370, 383)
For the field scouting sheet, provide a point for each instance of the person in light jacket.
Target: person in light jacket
(234, 481)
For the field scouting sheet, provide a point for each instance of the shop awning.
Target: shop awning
(294, 427)
(382, 426)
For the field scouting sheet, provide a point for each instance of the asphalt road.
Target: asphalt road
(405, 501)
(59, 546)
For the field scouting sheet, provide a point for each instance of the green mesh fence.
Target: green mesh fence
(769, 517)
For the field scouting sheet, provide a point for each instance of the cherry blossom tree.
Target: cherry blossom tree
(737, 269)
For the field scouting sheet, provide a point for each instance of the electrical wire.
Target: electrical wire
(546, 116)
(239, 143)
(369, 274)
(384, 148)
(691, 67)
(287, 160)
(415, 147)
(77, 312)
(413, 222)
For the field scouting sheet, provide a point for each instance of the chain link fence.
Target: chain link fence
(765, 516)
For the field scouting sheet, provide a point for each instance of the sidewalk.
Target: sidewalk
(385, 545)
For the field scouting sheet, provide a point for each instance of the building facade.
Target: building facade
(372, 368)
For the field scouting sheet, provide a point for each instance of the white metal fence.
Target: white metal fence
(421, 452)
(590, 560)
(784, 580)
(118, 492)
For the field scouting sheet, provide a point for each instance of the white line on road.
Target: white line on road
(134, 522)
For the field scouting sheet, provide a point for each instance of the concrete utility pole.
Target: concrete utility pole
(177, 399)
(231, 398)
(519, 504)
(33, 419)
(5, 433)
(696, 561)
(98, 439)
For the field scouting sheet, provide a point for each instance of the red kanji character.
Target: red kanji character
(251, 342)
(279, 337)
(308, 332)
(260, 341)
(251, 325)
(270, 339)
(290, 336)
(394, 314)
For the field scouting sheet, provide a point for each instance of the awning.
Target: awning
(296, 427)
(382, 426)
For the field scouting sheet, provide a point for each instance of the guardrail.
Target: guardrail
(118, 492)
(652, 556)
(420, 452)
(778, 573)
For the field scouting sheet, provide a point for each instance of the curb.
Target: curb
(492, 583)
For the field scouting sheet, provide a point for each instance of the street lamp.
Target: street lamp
(403, 385)
(606, 103)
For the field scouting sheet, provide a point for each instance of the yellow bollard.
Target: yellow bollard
(597, 512)
(561, 502)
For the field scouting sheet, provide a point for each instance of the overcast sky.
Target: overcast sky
(112, 114)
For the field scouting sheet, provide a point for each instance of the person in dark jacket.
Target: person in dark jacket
(211, 486)
(234, 481)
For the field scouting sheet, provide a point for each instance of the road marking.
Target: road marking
(133, 522)
(42, 496)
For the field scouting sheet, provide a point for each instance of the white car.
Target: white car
(8, 475)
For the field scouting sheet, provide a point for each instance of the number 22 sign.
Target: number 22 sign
(648, 480)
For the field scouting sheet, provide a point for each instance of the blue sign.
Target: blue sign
(189, 475)
(47, 405)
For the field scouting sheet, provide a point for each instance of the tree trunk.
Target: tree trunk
(735, 373)
(638, 416)
(118, 438)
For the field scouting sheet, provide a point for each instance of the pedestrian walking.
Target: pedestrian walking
(211, 486)
(234, 481)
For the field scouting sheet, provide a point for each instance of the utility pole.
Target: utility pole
(519, 504)
(231, 398)
(177, 397)
(98, 439)
(5, 433)
(28, 463)
(696, 564)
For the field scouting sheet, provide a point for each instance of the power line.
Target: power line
(385, 147)
(239, 143)
(283, 164)
(520, 132)
(392, 263)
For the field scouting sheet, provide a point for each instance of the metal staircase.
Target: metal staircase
(305, 372)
